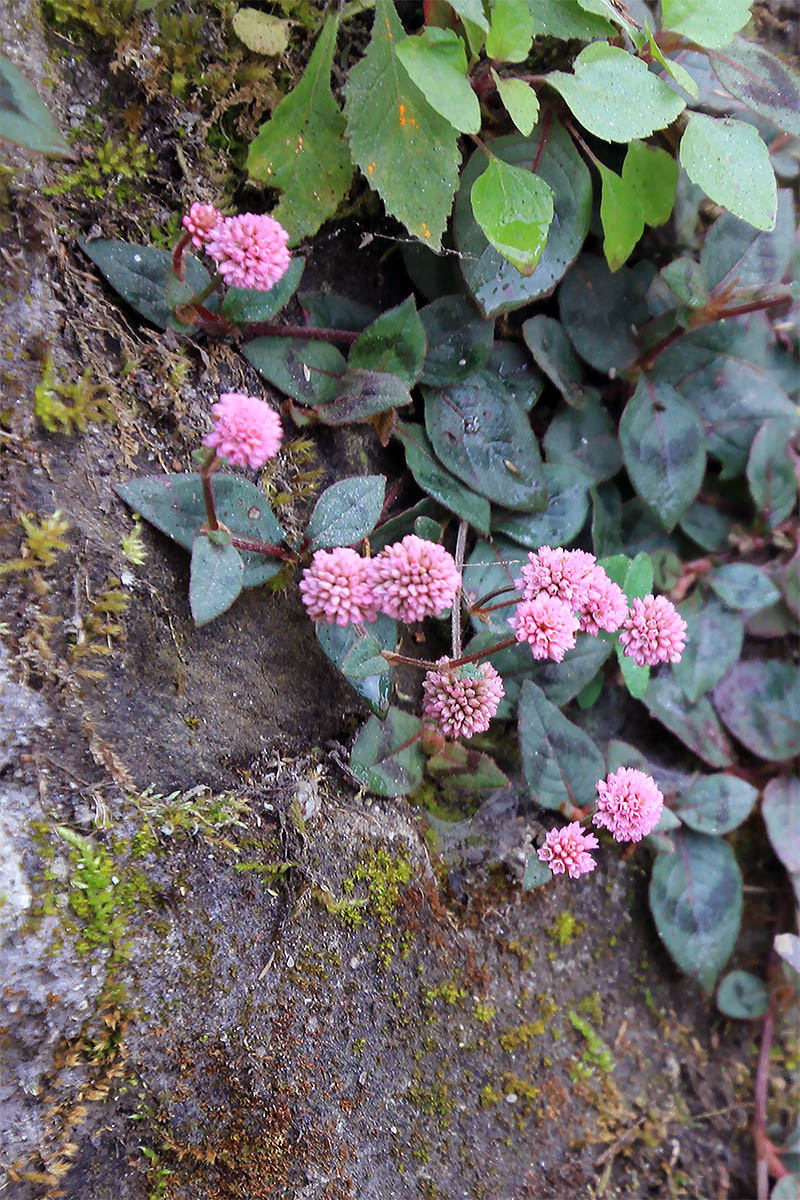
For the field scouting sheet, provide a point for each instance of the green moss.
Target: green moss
(271, 873)
(484, 1012)
(102, 894)
(597, 1054)
(564, 929)
(383, 875)
(67, 407)
(449, 992)
(489, 1096)
(114, 173)
(523, 1035)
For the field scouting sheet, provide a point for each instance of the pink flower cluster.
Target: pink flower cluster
(246, 430)
(409, 580)
(629, 806)
(567, 591)
(567, 850)
(200, 222)
(250, 250)
(462, 700)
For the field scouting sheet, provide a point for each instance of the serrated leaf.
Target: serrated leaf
(696, 902)
(439, 483)
(301, 148)
(346, 512)
(260, 32)
(742, 996)
(520, 102)
(695, 724)
(729, 161)
(770, 471)
(765, 84)
(716, 804)
(708, 22)
(308, 371)
(139, 274)
(24, 119)
(514, 208)
(601, 312)
(245, 305)
(387, 756)
(216, 579)
(405, 149)
(759, 703)
(464, 767)
(742, 586)
(175, 505)
(562, 519)
(584, 438)
(713, 644)
(342, 643)
(395, 342)
(437, 63)
(552, 351)
(560, 762)
(458, 340)
(663, 444)
(511, 31)
(363, 394)
(602, 73)
(494, 282)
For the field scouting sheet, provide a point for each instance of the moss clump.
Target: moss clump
(597, 1054)
(449, 992)
(67, 407)
(102, 894)
(489, 1096)
(114, 172)
(564, 929)
(523, 1035)
(484, 1012)
(384, 875)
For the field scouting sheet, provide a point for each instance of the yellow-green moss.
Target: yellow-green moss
(564, 928)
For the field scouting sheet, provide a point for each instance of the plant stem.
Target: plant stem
(479, 654)
(177, 256)
(268, 549)
(265, 329)
(206, 472)
(424, 664)
(700, 318)
(212, 285)
(455, 613)
(501, 591)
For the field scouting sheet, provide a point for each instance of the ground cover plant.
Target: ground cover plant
(605, 454)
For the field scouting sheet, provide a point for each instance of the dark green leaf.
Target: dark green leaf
(462, 767)
(590, 694)
(24, 120)
(706, 526)
(536, 873)
(343, 644)
(735, 251)
(622, 754)
(437, 482)
(695, 724)
(760, 704)
(216, 579)
(705, 23)
(696, 901)
(496, 284)
(562, 682)
(585, 439)
(139, 275)
(308, 371)
(493, 565)
(512, 373)
(243, 305)
(765, 84)
(382, 757)
(742, 586)
(561, 521)
(395, 342)
(713, 644)
(432, 274)
(770, 471)
(551, 349)
(667, 570)
(346, 512)
(174, 504)
(687, 280)
(458, 338)
(396, 529)
(742, 996)
(327, 310)
(731, 164)
(606, 523)
(601, 311)
(436, 61)
(780, 809)
(716, 804)
(561, 763)
(363, 394)
(636, 678)
(514, 208)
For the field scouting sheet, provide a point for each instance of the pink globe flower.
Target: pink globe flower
(547, 624)
(630, 804)
(654, 632)
(462, 700)
(413, 579)
(246, 430)
(250, 250)
(605, 606)
(560, 573)
(335, 590)
(567, 850)
(200, 221)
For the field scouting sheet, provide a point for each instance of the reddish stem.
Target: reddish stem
(268, 549)
(265, 329)
(177, 256)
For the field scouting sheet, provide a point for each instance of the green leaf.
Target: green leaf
(708, 22)
(405, 149)
(485, 438)
(695, 724)
(175, 505)
(346, 512)
(601, 311)
(327, 310)
(301, 149)
(437, 482)
(696, 902)
(663, 444)
(706, 526)
(536, 873)
(243, 305)
(494, 282)
(585, 439)
(780, 809)
(260, 32)
(742, 996)
(139, 274)
(602, 72)
(735, 252)
(459, 340)
(678, 73)
(770, 473)
(395, 342)
(561, 521)
(687, 280)
(462, 767)
(308, 371)
(590, 694)
(729, 161)
(565, 19)
(511, 31)
(742, 586)
(397, 528)
(493, 565)
(622, 217)
(716, 804)
(520, 101)
(638, 581)
(653, 174)
(363, 394)
(472, 10)
(514, 208)
(437, 63)
(550, 348)
(216, 579)
(635, 678)
(561, 763)
(343, 645)
(765, 84)
(759, 703)
(24, 120)
(606, 520)
(382, 757)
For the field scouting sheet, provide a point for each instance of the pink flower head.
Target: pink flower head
(560, 573)
(654, 632)
(246, 430)
(605, 606)
(201, 221)
(547, 624)
(629, 806)
(567, 849)
(251, 251)
(335, 588)
(413, 579)
(462, 700)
